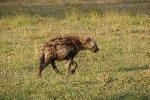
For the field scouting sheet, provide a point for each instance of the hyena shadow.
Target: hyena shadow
(135, 68)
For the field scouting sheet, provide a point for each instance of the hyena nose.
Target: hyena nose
(97, 49)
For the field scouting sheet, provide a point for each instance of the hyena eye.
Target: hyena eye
(92, 47)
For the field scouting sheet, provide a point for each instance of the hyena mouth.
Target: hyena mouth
(95, 51)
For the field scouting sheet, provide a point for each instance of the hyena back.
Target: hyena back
(65, 48)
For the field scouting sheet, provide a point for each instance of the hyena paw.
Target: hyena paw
(73, 71)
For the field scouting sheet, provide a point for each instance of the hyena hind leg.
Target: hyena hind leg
(55, 68)
(42, 66)
(40, 69)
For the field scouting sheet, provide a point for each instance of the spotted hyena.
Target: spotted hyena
(65, 48)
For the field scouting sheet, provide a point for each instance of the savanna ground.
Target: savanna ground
(119, 71)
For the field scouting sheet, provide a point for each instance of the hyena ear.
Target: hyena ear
(84, 39)
(88, 39)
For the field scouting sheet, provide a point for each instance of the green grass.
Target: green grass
(119, 71)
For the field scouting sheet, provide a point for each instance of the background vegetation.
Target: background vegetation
(120, 71)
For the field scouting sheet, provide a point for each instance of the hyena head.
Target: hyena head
(91, 45)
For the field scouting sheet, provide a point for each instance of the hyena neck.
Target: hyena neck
(83, 47)
(79, 45)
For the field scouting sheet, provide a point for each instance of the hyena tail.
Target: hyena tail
(42, 62)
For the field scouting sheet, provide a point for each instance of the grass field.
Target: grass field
(119, 71)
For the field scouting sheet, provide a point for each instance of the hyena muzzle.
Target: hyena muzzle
(65, 48)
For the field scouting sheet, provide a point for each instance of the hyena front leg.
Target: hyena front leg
(74, 64)
(68, 65)
(55, 68)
